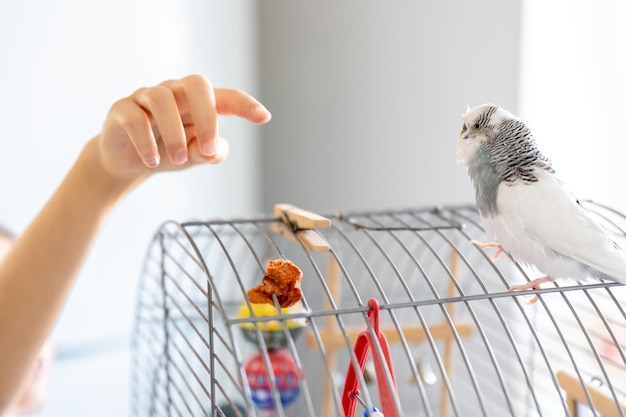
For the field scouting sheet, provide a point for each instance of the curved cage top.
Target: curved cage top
(459, 343)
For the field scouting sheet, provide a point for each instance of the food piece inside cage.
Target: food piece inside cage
(282, 278)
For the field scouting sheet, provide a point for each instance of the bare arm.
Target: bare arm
(163, 128)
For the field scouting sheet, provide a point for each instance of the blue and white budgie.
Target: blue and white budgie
(526, 209)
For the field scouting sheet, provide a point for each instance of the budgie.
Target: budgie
(526, 209)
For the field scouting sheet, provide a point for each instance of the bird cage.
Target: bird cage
(402, 315)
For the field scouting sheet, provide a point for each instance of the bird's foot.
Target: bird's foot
(490, 245)
(535, 284)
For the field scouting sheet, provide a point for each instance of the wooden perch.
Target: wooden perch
(602, 401)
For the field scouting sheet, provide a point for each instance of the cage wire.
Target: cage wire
(402, 312)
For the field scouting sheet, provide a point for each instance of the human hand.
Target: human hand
(171, 126)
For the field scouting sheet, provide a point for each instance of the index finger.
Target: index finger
(233, 102)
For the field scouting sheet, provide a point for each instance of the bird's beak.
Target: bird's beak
(463, 131)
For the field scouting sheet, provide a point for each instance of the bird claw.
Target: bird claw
(535, 284)
(490, 245)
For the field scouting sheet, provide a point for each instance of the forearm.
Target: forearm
(37, 275)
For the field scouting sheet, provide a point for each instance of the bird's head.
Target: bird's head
(479, 124)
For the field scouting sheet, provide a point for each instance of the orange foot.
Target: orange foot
(490, 245)
(535, 284)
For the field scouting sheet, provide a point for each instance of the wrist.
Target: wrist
(111, 186)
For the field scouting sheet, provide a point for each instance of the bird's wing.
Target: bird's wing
(551, 216)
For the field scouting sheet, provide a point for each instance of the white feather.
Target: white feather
(537, 220)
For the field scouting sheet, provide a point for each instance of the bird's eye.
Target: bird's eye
(476, 126)
(464, 129)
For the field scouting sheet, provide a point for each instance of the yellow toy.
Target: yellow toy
(273, 330)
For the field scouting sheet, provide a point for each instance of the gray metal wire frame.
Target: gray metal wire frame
(160, 335)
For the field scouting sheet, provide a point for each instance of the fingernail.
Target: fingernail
(152, 161)
(180, 156)
(209, 148)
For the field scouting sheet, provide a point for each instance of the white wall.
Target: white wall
(574, 92)
(64, 63)
(367, 97)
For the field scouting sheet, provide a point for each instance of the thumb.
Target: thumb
(196, 158)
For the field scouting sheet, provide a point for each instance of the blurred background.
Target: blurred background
(366, 100)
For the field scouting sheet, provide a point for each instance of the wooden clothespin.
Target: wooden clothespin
(301, 224)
